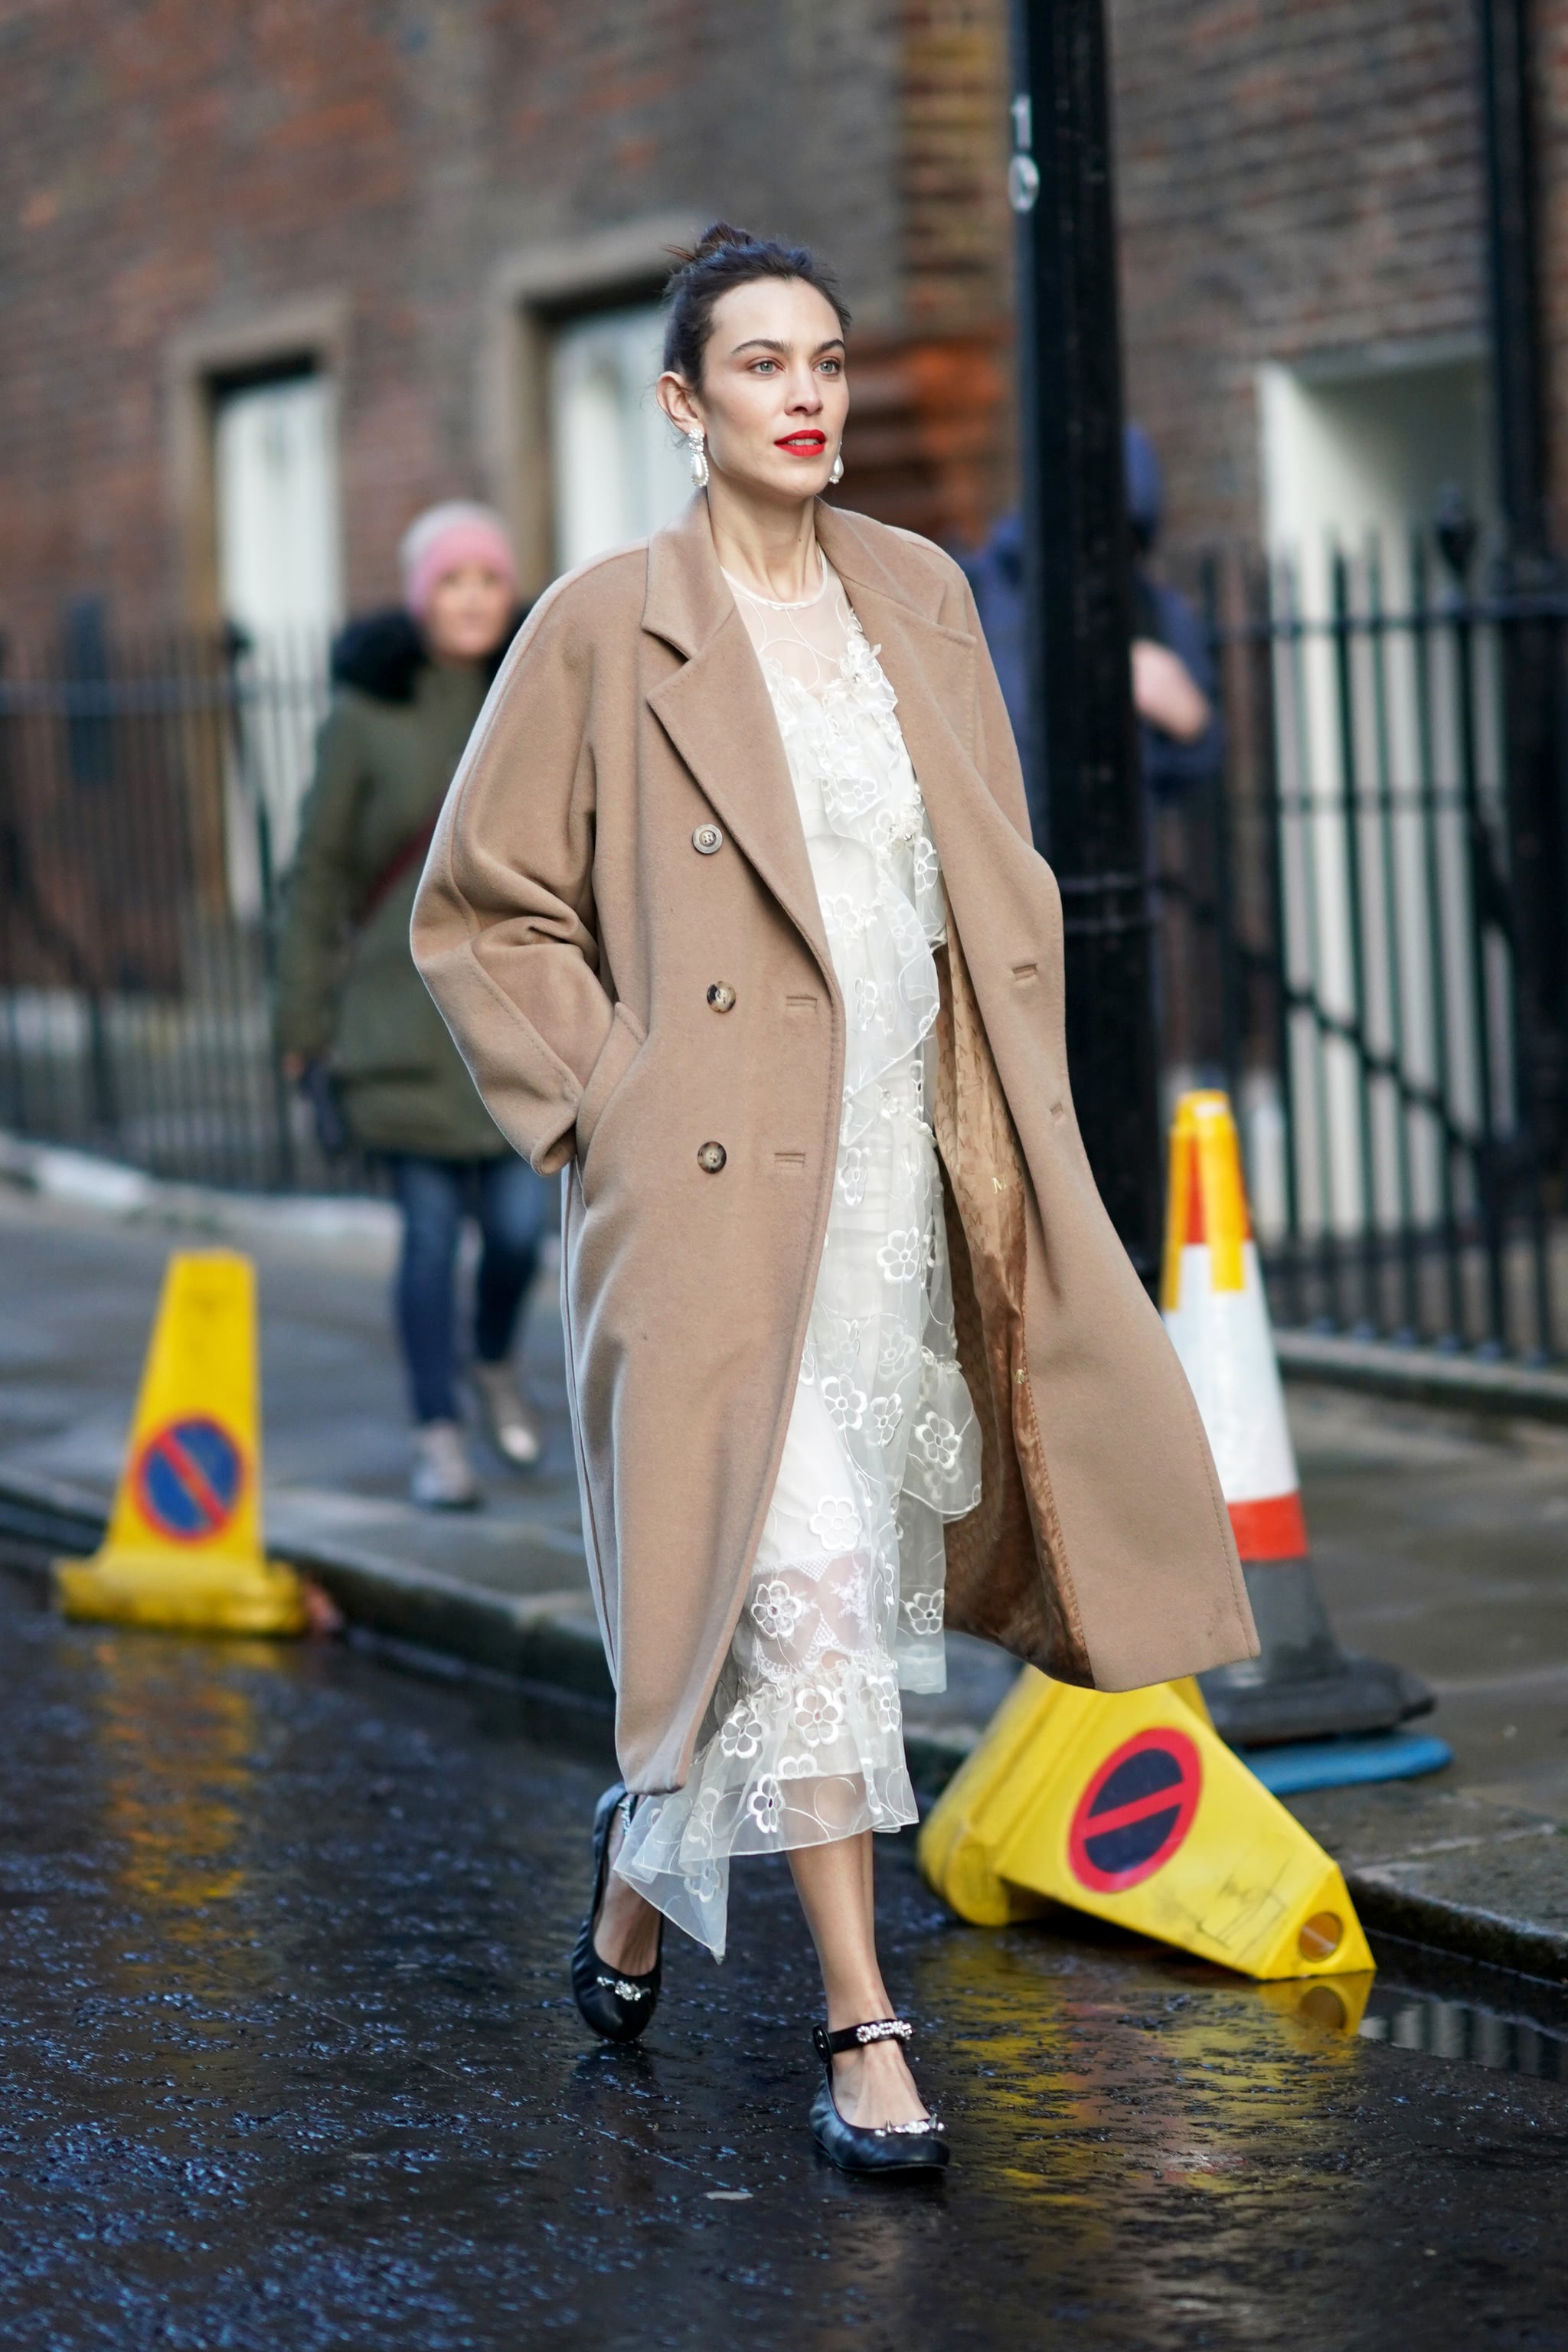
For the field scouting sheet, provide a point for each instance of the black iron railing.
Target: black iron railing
(1358, 924)
(1345, 940)
(145, 796)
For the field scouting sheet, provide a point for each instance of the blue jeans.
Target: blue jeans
(510, 1203)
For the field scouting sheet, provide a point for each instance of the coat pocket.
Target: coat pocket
(620, 1049)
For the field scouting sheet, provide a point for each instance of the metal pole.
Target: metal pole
(1504, 27)
(1086, 792)
(1533, 716)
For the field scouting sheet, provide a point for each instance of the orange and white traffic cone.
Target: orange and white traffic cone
(1303, 1685)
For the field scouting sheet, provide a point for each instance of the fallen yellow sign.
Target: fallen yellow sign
(1129, 1805)
(183, 1549)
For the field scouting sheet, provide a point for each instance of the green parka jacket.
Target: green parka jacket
(348, 991)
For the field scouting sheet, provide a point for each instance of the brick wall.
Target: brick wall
(1295, 177)
(953, 160)
(174, 166)
(1551, 97)
(930, 439)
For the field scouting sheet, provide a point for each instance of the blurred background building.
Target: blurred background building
(282, 275)
(279, 277)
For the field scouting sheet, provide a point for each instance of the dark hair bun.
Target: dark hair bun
(713, 240)
(725, 256)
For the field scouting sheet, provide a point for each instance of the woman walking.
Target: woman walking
(352, 1013)
(735, 914)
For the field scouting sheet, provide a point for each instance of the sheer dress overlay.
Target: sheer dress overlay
(803, 1740)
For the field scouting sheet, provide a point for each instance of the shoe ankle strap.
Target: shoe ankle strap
(829, 2046)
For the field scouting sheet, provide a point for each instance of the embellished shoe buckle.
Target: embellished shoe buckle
(622, 1990)
(886, 2028)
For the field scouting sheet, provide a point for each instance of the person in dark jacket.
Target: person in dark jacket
(1174, 682)
(1172, 674)
(353, 1012)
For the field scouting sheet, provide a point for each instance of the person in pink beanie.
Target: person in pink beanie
(355, 1019)
(460, 577)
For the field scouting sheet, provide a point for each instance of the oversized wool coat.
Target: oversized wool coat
(621, 839)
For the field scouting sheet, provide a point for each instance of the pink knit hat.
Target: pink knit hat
(444, 538)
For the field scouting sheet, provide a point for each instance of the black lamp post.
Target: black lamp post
(1534, 729)
(1086, 790)
(1082, 758)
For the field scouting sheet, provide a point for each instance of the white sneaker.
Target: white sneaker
(442, 1478)
(511, 1420)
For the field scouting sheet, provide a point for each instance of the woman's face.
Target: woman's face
(467, 616)
(773, 395)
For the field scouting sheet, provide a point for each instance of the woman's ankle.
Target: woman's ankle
(626, 1928)
(861, 2004)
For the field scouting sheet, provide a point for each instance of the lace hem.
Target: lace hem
(789, 1765)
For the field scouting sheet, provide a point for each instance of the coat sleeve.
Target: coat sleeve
(503, 928)
(322, 891)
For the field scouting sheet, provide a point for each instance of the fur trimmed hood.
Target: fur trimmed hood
(380, 654)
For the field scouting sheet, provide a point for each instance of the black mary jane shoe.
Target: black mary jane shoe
(618, 2006)
(862, 2148)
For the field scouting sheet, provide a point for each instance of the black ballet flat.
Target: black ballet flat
(879, 2147)
(616, 2006)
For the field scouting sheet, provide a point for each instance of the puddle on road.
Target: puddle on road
(1436, 2018)
(1456, 2028)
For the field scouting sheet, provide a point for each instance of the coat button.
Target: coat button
(707, 839)
(711, 1156)
(721, 996)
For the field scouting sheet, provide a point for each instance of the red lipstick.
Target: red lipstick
(805, 443)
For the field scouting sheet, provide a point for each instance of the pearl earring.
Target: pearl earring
(837, 473)
(698, 460)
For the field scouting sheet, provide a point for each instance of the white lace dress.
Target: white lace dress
(803, 1740)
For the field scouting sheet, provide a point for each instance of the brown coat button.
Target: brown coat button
(711, 1156)
(721, 996)
(707, 839)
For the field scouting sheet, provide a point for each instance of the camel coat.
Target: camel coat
(622, 836)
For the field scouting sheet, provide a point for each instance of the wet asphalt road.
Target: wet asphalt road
(289, 2063)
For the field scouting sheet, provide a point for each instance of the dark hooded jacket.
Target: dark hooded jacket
(996, 576)
(348, 991)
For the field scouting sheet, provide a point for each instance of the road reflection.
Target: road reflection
(174, 1740)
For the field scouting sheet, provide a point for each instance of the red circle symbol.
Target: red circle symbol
(1136, 1812)
(189, 1478)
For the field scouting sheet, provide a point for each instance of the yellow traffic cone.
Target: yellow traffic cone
(183, 1549)
(1130, 1806)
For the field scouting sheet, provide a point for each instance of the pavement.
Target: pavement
(290, 2065)
(504, 1588)
(1440, 1533)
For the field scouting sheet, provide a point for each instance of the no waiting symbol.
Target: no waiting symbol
(1136, 1810)
(188, 1478)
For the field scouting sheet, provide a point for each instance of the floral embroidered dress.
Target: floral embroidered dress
(803, 1740)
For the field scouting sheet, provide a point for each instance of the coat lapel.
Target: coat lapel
(932, 670)
(716, 712)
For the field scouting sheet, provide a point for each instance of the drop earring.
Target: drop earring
(698, 460)
(837, 475)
